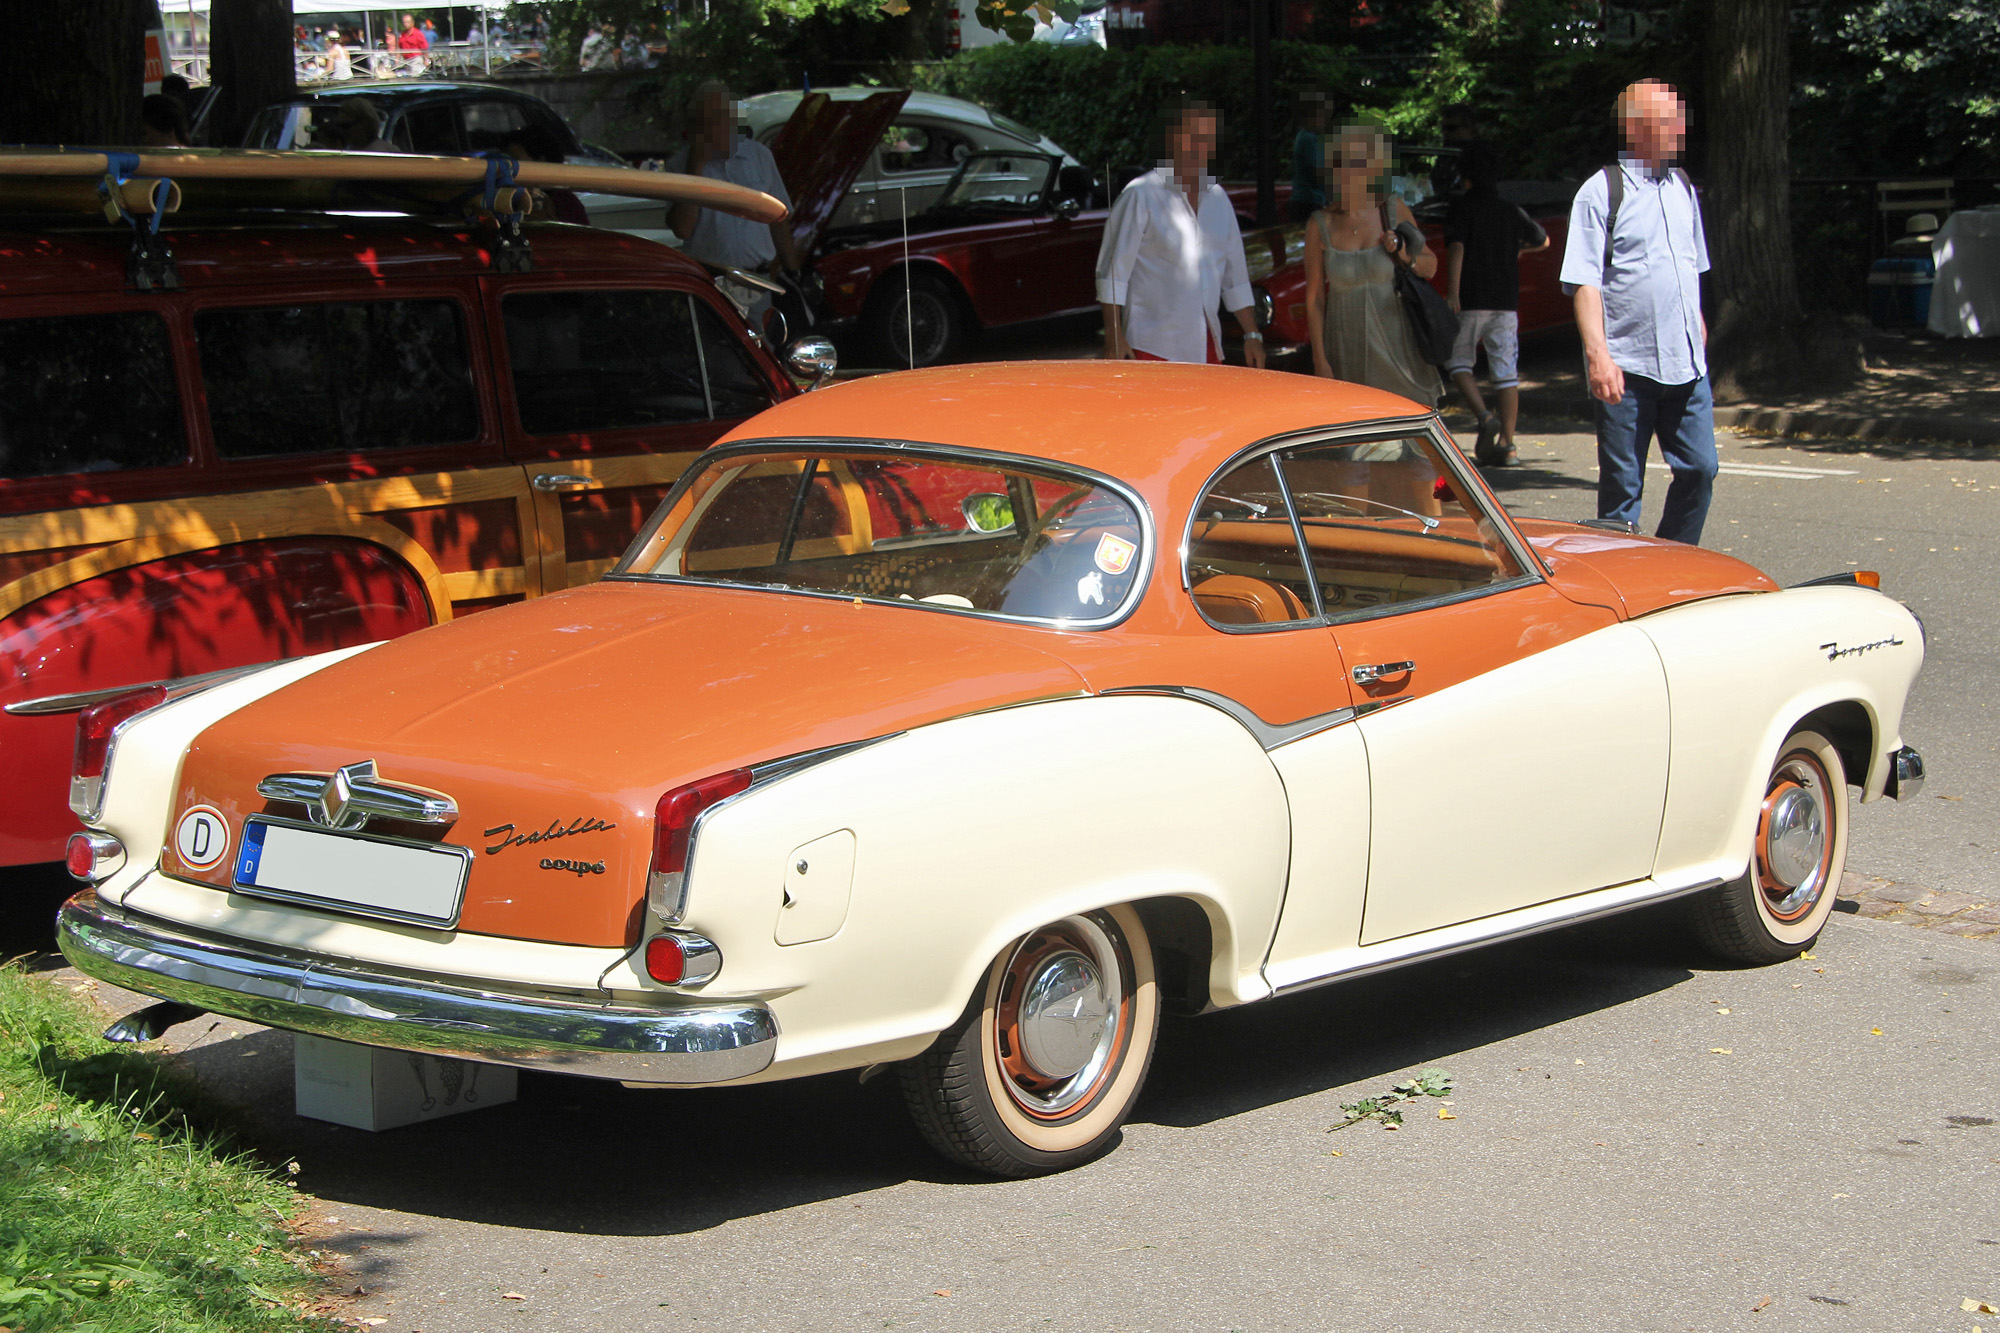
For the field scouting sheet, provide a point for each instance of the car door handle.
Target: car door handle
(1375, 671)
(563, 481)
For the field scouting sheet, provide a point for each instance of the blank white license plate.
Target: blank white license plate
(392, 879)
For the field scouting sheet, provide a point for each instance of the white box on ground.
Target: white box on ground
(368, 1087)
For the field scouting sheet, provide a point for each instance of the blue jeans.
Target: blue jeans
(1682, 416)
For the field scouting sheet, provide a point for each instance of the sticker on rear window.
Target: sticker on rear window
(1114, 554)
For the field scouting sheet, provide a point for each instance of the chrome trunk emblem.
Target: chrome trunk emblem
(347, 798)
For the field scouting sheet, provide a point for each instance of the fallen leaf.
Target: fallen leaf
(1978, 1307)
(1720, 1050)
(1875, 1031)
(1809, 955)
(1722, 1011)
(1392, 1125)
(942, 1291)
(1819, 969)
(512, 1296)
(1760, 1305)
(1444, 1113)
(1579, 1062)
(1336, 1154)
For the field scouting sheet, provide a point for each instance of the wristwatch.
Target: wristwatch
(1253, 334)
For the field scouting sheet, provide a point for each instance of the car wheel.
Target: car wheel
(1777, 909)
(1045, 1064)
(932, 320)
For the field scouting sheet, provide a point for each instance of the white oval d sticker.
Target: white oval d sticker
(202, 837)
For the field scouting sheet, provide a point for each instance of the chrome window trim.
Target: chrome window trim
(1142, 575)
(1363, 432)
(82, 699)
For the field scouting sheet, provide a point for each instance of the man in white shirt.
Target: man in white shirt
(715, 150)
(1172, 253)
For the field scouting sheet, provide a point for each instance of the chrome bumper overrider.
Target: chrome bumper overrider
(680, 1042)
(1906, 775)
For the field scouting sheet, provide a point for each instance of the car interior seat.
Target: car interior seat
(1238, 599)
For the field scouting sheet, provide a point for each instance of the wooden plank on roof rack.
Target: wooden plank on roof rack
(316, 164)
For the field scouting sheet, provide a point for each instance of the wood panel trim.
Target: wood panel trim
(472, 584)
(302, 507)
(140, 550)
(580, 572)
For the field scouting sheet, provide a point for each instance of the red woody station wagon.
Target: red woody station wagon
(317, 429)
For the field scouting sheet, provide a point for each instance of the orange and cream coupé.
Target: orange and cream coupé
(962, 721)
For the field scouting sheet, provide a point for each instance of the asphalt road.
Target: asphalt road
(1640, 1141)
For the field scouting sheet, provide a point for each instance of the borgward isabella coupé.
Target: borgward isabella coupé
(961, 721)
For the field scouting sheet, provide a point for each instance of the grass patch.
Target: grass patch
(117, 1210)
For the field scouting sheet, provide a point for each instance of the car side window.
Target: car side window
(735, 388)
(430, 129)
(1243, 563)
(491, 126)
(605, 360)
(1385, 527)
(336, 377)
(88, 393)
(922, 148)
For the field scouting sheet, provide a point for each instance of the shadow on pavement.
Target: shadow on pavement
(596, 1158)
(29, 899)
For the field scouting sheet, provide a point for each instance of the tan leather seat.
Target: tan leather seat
(1238, 599)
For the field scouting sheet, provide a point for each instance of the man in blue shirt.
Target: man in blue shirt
(1633, 264)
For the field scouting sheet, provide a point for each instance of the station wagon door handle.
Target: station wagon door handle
(563, 481)
(1377, 670)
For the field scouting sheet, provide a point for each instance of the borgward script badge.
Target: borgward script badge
(351, 795)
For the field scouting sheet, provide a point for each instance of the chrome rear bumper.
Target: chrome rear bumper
(1906, 775)
(677, 1043)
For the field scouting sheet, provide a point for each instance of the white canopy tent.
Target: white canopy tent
(333, 6)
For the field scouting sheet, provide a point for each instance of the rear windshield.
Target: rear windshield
(1022, 542)
(87, 393)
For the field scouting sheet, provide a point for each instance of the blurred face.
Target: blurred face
(1193, 141)
(1355, 165)
(1654, 120)
(718, 117)
(409, 20)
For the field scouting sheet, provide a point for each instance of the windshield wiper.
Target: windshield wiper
(1425, 519)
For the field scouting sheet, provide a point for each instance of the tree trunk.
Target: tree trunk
(72, 73)
(1761, 341)
(250, 42)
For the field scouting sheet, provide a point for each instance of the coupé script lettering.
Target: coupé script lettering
(555, 829)
(1834, 652)
(574, 867)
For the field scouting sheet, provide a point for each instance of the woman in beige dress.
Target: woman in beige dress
(1359, 330)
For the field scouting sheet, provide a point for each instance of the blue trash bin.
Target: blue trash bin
(1899, 291)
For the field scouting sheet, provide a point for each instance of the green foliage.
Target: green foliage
(1897, 87)
(729, 32)
(1103, 106)
(117, 1214)
(1386, 1110)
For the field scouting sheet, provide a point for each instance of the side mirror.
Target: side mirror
(987, 512)
(1068, 207)
(813, 358)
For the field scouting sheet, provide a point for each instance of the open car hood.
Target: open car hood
(821, 151)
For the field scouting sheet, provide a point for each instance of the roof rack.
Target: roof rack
(139, 188)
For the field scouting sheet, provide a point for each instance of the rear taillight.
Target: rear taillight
(96, 727)
(673, 836)
(681, 959)
(93, 857)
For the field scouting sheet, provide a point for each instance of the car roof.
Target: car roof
(1161, 428)
(780, 105)
(407, 90)
(313, 252)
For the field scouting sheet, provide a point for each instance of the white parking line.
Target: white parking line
(1781, 470)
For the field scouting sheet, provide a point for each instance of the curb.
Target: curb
(1788, 423)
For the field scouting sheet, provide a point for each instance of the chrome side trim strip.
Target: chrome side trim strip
(1363, 959)
(1270, 735)
(82, 699)
(674, 1042)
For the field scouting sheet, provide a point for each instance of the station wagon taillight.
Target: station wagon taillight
(96, 726)
(673, 834)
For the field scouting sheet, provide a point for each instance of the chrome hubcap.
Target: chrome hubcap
(1065, 1016)
(1061, 1016)
(1793, 842)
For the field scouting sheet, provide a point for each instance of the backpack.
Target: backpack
(1614, 194)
